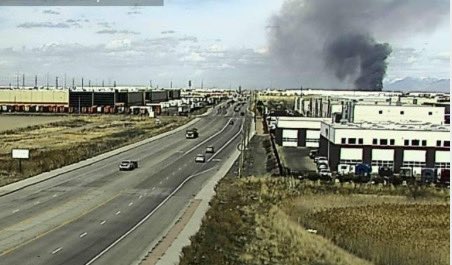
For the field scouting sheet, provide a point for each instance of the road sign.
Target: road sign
(21, 153)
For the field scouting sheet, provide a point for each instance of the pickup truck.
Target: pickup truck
(191, 134)
(128, 165)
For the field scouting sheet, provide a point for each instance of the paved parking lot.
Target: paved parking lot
(296, 159)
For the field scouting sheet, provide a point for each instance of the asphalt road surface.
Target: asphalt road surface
(100, 215)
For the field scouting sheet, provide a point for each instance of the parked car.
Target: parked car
(200, 158)
(210, 150)
(345, 169)
(317, 158)
(322, 161)
(321, 166)
(128, 165)
(325, 174)
(428, 175)
(313, 154)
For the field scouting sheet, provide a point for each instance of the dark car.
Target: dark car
(313, 154)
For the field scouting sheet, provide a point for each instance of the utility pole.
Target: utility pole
(56, 82)
(23, 80)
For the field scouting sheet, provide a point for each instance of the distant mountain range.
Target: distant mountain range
(418, 84)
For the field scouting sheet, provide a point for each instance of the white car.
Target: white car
(325, 173)
(317, 158)
(128, 165)
(210, 150)
(322, 166)
(200, 158)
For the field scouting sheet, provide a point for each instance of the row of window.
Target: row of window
(285, 139)
(443, 143)
(414, 164)
(352, 141)
(407, 142)
(383, 141)
(442, 165)
(381, 163)
(403, 112)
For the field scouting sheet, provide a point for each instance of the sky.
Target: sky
(215, 42)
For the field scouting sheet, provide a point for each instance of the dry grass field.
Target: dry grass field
(11, 122)
(382, 229)
(265, 220)
(60, 143)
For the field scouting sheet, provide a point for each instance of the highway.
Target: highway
(100, 215)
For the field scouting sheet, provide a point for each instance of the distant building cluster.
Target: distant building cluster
(380, 129)
(107, 100)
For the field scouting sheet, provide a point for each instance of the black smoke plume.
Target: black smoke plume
(357, 53)
(333, 43)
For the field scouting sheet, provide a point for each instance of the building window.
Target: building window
(447, 143)
(415, 142)
(424, 142)
(380, 112)
(374, 141)
(352, 140)
(343, 140)
(407, 142)
(383, 141)
(438, 143)
(402, 112)
(360, 141)
(392, 142)
(430, 113)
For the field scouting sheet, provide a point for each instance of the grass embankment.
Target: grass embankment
(77, 138)
(264, 221)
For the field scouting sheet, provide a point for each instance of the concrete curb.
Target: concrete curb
(13, 187)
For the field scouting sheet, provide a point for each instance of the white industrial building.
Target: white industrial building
(417, 145)
(298, 131)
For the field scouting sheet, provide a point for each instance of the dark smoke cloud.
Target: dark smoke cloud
(332, 43)
(350, 54)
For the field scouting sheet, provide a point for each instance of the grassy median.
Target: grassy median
(61, 143)
(266, 220)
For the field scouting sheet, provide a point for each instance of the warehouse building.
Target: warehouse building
(297, 131)
(81, 101)
(417, 145)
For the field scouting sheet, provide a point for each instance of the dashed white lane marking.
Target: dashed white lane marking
(118, 212)
(153, 188)
(56, 250)
(130, 204)
(166, 177)
(54, 195)
(15, 211)
(83, 234)
(160, 182)
(103, 222)
(38, 202)
(141, 196)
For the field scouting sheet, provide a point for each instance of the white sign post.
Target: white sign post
(21, 154)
